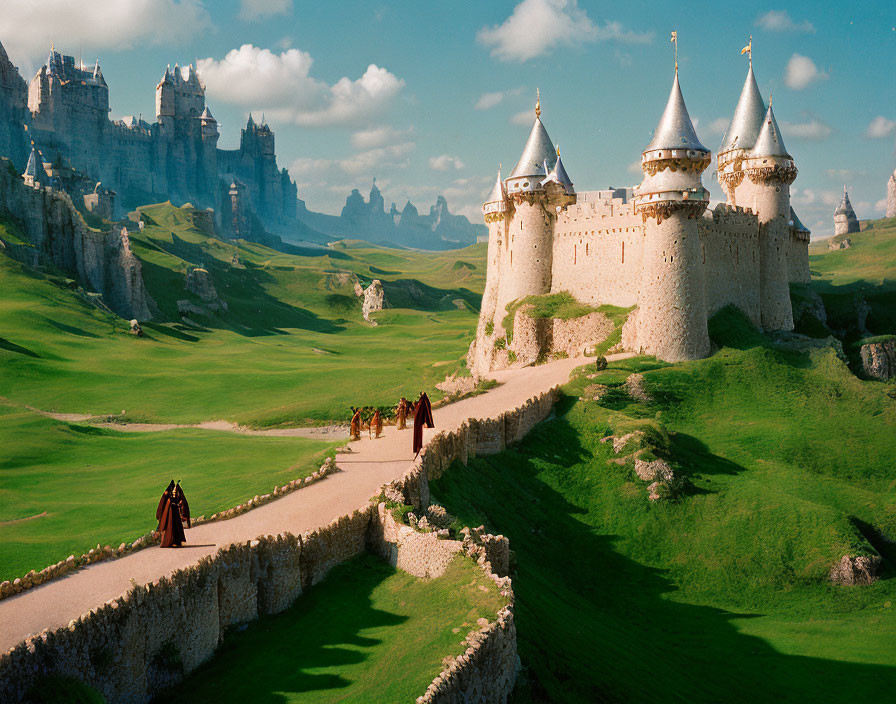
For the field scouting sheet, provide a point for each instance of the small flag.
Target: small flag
(748, 49)
(674, 37)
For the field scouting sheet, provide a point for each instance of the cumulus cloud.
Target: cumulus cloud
(880, 127)
(780, 21)
(718, 126)
(445, 162)
(634, 167)
(282, 85)
(802, 72)
(372, 160)
(378, 137)
(488, 100)
(538, 26)
(524, 117)
(28, 28)
(811, 129)
(881, 206)
(256, 10)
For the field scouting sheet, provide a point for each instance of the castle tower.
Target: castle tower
(527, 249)
(741, 136)
(497, 211)
(34, 175)
(891, 195)
(670, 322)
(845, 220)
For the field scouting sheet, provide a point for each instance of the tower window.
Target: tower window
(623, 251)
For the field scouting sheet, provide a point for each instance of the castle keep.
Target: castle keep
(658, 247)
(64, 113)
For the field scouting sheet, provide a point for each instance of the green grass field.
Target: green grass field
(721, 595)
(292, 347)
(78, 486)
(368, 633)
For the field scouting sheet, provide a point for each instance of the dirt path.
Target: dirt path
(371, 464)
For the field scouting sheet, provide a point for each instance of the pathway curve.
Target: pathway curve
(371, 464)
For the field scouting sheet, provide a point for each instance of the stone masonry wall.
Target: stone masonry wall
(133, 647)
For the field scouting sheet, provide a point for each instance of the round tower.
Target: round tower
(891, 195)
(741, 136)
(527, 248)
(845, 220)
(769, 171)
(670, 321)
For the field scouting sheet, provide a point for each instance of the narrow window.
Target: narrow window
(623, 251)
(574, 253)
(586, 249)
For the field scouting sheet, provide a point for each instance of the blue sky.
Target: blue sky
(429, 97)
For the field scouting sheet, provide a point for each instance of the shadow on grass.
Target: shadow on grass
(71, 329)
(595, 625)
(18, 349)
(274, 657)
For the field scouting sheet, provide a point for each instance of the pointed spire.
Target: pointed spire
(748, 116)
(31, 167)
(207, 115)
(675, 130)
(498, 193)
(558, 175)
(537, 151)
(845, 207)
(769, 142)
(251, 122)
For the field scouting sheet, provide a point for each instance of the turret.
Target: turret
(34, 175)
(769, 170)
(891, 196)
(498, 212)
(527, 249)
(741, 136)
(670, 321)
(845, 220)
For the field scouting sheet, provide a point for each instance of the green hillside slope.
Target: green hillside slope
(291, 347)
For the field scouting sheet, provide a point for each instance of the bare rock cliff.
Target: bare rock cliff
(879, 359)
(374, 300)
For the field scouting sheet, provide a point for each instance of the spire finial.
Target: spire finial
(558, 148)
(748, 49)
(674, 39)
(537, 103)
(770, 96)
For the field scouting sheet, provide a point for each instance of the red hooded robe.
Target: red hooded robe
(422, 417)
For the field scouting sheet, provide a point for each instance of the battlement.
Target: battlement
(731, 217)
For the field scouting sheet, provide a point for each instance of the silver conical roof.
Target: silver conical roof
(31, 167)
(558, 174)
(746, 124)
(537, 151)
(845, 207)
(797, 225)
(769, 142)
(497, 194)
(207, 115)
(675, 130)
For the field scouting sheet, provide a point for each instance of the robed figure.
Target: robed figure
(377, 423)
(174, 514)
(355, 428)
(401, 413)
(166, 496)
(422, 417)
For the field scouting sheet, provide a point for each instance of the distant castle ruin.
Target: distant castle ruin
(657, 247)
(64, 114)
(845, 220)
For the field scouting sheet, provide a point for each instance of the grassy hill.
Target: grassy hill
(291, 348)
(721, 595)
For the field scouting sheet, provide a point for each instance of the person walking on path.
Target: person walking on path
(422, 417)
(401, 413)
(355, 428)
(377, 423)
(171, 523)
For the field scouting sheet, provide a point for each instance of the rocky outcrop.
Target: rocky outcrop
(879, 359)
(836, 244)
(374, 300)
(891, 196)
(855, 571)
(100, 261)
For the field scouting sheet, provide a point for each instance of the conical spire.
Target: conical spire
(675, 130)
(207, 115)
(537, 151)
(769, 142)
(498, 194)
(746, 124)
(558, 175)
(31, 167)
(797, 225)
(845, 207)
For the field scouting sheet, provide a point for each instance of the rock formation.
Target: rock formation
(199, 281)
(368, 220)
(101, 261)
(834, 245)
(879, 359)
(374, 300)
(853, 571)
(891, 196)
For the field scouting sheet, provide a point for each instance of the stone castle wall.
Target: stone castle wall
(798, 259)
(133, 647)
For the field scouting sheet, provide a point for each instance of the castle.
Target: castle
(64, 114)
(658, 247)
(845, 220)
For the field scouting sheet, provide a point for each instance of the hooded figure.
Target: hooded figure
(401, 413)
(377, 423)
(422, 417)
(166, 495)
(355, 429)
(171, 524)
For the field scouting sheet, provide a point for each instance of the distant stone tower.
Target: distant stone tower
(527, 254)
(769, 170)
(34, 175)
(845, 220)
(891, 196)
(670, 321)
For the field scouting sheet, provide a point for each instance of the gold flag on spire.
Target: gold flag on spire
(674, 39)
(748, 49)
(537, 102)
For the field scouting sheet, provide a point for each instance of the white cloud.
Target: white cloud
(780, 21)
(28, 28)
(634, 167)
(811, 129)
(488, 100)
(881, 206)
(378, 160)
(880, 127)
(801, 72)
(842, 175)
(718, 126)
(282, 86)
(524, 117)
(378, 137)
(537, 26)
(445, 162)
(256, 10)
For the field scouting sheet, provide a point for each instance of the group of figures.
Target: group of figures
(421, 411)
(173, 512)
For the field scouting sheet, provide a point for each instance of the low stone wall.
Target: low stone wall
(132, 648)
